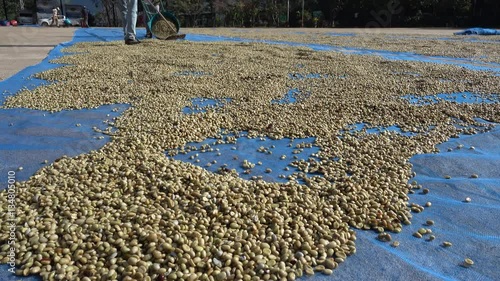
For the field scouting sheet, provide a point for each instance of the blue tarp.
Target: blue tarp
(473, 227)
(478, 31)
(390, 55)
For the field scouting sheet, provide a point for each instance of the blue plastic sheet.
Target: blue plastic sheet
(32, 139)
(465, 97)
(24, 79)
(461, 39)
(414, 259)
(390, 55)
(113, 34)
(470, 39)
(199, 105)
(262, 153)
(473, 227)
(291, 97)
(478, 31)
(29, 137)
(341, 34)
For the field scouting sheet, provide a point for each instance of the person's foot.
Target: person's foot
(132, 41)
(149, 35)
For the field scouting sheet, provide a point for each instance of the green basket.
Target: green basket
(169, 17)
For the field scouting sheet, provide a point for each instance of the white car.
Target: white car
(47, 21)
(75, 21)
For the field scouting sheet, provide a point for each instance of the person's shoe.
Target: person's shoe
(149, 35)
(132, 41)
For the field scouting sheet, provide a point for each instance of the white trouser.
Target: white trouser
(129, 17)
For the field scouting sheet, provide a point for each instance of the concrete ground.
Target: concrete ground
(21, 47)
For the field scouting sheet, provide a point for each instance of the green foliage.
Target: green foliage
(9, 7)
(189, 7)
(275, 12)
(400, 12)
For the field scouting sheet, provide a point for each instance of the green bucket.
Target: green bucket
(169, 17)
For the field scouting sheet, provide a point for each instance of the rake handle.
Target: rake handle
(159, 12)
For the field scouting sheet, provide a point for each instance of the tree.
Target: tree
(236, 12)
(222, 10)
(252, 8)
(9, 9)
(110, 13)
(275, 10)
(190, 9)
(5, 11)
(331, 9)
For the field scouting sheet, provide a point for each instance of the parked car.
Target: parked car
(73, 13)
(75, 21)
(47, 21)
(25, 17)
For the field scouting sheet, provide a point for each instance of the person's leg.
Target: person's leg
(145, 20)
(122, 4)
(131, 19)
(148, 30)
